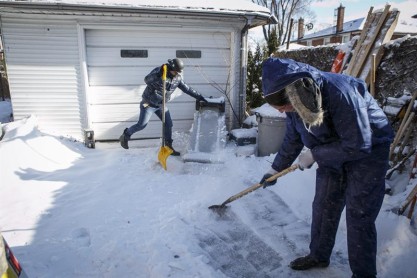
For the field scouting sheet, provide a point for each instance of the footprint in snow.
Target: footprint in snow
(81, 237)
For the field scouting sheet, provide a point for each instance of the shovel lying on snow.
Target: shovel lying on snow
(222, 207)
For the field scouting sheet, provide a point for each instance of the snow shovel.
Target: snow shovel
(164, 151)
(220, 208)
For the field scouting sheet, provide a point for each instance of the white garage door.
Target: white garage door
(118, 61)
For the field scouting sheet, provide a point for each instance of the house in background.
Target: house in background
(79, 65)
(341, 32)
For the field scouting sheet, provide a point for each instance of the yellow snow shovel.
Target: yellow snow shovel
(164, 151)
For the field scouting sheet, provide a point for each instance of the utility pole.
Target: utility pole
(289, 34)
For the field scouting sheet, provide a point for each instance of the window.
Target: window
(133, 53)
(193, 54)
(345, 38)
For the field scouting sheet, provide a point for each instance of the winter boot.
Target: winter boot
(359, 276)
(124, 138)
(174, 153)
(307, 262)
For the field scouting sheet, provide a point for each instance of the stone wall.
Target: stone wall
(396, 73)
(320, 57)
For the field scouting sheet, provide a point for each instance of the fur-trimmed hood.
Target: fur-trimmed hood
(305, 97)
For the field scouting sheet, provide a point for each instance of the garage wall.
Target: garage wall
(43, 68)
(115, 83)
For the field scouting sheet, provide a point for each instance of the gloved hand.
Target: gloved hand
(155, 98)
(201, 98)
(305, 160)
(268, 174)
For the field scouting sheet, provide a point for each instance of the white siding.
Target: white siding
(116, 84)
(43, 68)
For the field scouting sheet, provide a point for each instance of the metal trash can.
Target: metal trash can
(271, 132)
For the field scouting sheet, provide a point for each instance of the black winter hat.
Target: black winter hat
(279, 98)
(175, 65)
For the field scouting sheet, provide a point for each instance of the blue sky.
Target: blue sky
(356, 8)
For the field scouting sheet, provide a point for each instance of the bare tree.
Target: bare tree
(284, 11)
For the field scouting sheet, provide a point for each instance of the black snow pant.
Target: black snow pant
(361, 188)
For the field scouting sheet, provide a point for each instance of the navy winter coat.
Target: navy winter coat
(153, 91)
(353, 121)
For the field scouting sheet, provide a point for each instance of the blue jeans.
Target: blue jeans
(144, 117)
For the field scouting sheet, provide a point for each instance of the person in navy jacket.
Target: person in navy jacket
(152, 100)
(344, 130)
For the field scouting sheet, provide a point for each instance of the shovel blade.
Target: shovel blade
(219, 209)
(164, 153)
(214, 207)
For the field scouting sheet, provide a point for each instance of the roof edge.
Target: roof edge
(257, 17)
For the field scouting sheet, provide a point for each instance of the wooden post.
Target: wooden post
(359, 43)
(3, 95)
(373, 74)
(413, 204)
(403, 122)
(400, 133)
(357, 70)
(408, 200)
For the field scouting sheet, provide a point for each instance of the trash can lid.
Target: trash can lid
(267, 111)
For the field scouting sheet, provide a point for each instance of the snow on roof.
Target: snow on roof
(350, 26)
(291, 46)
(193, 5)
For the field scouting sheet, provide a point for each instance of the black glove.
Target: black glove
(155, 98)
(269, 174)
(201, 98)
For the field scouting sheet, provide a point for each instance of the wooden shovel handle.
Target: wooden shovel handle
(258, 185)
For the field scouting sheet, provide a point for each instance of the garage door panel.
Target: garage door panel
(127, 38)
(112, 56)
(210, 57)
(122, 76)
(99, 56)
(110, 131)
(206, 75)
(133, 94)
(130, 112)
(115, 94)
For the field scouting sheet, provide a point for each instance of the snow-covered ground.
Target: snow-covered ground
(70, 211)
